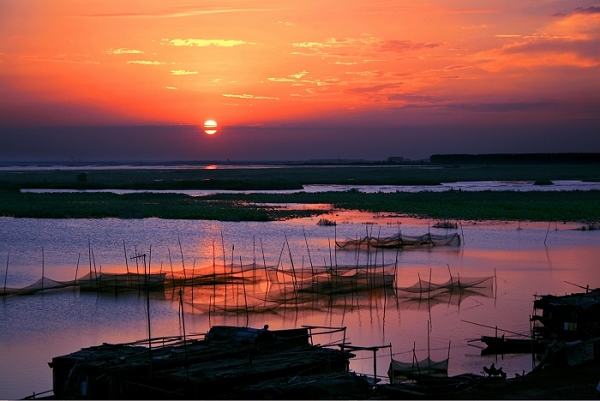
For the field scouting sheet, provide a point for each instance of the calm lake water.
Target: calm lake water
(35, 328)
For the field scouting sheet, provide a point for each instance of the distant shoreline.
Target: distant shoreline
(435, 159)
(573, 206)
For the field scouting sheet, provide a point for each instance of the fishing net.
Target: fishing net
(483, 285)
(402, 370)
(400, 241)
(42, 285)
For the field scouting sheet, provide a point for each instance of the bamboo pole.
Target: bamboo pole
(375, 366)
(496, 328)
(266, 273)
(335, 242)
(254, 259)
(392, 364)
(308, 250)
(90, 259)
(214, 277)
(192, 281)
(232, 275)
(6, 273)
(182, 261)
(43, 269)
(126, 262)
(547, 231)
(331, 264)
(76, 271)
(146, 277)
(187, 374)
(171, 263)
(224, 274)
(292, 263)
(374, 270)
(244, 285)
(137, 268)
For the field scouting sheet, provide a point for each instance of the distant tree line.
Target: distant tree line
(515, 158)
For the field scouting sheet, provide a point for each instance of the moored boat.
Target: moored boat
(504, 345)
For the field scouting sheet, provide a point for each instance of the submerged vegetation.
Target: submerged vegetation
(486, 205)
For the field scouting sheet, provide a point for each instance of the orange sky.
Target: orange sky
(458, 63)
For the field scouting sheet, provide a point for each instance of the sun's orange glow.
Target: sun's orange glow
(280, 63)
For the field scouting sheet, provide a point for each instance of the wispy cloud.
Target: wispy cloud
(580, 10)
(471, 27)
(61, 58)
(587, 10)
(146, 62)
(272, 79)
(373, 89)
(362, 46)
(124, 51)
(413, 98)
(290, 78)
(247, 96)
(299, 74)
(503, 107)
(180, 12)
(554, 46)
(543, 52)
(337, 43)
(183, 72)
(207, 42)
(172, 88)
(401, 46)
(571, 40)
(456, 67)
(473, 11)
(368, 74)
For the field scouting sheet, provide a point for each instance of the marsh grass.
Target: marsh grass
(292, 177)
(486, 205)
(581, 206)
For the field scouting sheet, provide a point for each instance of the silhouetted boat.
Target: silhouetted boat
(503, 345)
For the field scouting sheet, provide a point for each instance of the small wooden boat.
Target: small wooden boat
(503, 345)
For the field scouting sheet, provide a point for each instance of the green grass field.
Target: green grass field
(487, 205)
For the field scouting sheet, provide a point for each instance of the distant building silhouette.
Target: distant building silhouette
(515, 158)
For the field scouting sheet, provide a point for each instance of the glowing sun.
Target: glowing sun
(210, 127)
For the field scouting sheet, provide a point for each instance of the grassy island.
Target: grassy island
(485, 205)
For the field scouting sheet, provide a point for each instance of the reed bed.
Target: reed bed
(571, 206)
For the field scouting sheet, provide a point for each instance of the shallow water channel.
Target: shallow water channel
(525, 258)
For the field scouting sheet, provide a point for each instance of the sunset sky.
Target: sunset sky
(289, 80)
